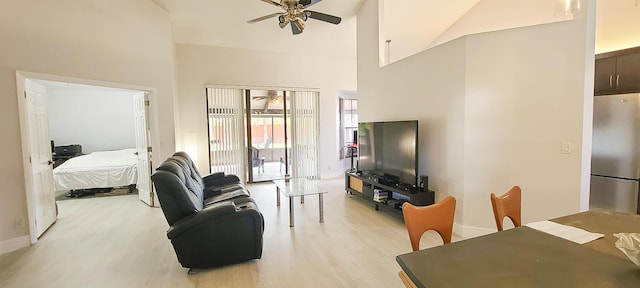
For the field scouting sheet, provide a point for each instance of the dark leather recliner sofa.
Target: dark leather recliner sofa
(213, 220)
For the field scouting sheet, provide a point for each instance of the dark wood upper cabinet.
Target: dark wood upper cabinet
(628, 79)
(605, 73)
(617, 72)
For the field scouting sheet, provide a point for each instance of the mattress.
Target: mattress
(101, 169)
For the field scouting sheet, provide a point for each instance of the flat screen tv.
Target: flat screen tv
(389, 148)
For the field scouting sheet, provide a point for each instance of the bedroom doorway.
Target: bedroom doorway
(41, 203)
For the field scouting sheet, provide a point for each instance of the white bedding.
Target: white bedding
(97, 170)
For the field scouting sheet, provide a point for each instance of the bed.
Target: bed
(101, 169)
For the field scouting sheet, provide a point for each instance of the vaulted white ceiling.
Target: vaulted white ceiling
(617, 24)
(223, 23)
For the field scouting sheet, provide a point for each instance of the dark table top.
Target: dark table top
(605, 222)
(524, 257)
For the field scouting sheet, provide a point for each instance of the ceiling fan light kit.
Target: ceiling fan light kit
(296, 14)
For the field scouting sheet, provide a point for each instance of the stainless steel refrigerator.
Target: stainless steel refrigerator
(615, 159)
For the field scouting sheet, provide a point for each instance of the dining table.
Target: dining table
(526, 257)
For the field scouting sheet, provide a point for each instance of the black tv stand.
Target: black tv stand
(367, 185)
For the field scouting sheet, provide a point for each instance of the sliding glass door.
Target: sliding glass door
(279, 132)
(267, 137)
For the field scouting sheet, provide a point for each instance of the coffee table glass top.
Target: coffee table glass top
(298, 187)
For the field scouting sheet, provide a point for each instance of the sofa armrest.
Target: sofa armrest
(209, 213)
(213, 176)
(220, 181)
(211, 192)
(216, 191)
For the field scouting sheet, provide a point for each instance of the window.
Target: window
(348, 125)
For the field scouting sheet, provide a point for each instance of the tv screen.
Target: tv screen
(389, 148)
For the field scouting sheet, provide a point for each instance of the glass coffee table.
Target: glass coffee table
(298, 187)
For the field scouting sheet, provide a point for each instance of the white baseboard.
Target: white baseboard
(14, 244)
(467, 232)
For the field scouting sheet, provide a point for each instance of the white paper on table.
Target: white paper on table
(570, 233)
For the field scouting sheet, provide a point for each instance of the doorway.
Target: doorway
(35, 92)
(268, 134)
(263, 134)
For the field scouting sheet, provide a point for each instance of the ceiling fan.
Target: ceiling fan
(273, 101)
(271, 95)
(296, 14)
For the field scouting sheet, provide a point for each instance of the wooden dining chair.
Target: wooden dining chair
(438, 217)
(507, 205)
(420, 219)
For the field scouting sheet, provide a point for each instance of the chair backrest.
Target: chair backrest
(438, 217)
(507, 204)
(186, 156)
(192, 182)
(175, 198)
(255, 156)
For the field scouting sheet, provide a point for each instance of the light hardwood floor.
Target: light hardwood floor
(118, 242)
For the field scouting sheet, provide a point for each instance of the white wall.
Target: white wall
(493, 111)
(200, 65)
(116, 41)
(525, 95)
(96, 119)
(428, 87)
(414, 26)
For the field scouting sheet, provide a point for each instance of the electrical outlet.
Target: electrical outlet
(566, 148)
(19, 223)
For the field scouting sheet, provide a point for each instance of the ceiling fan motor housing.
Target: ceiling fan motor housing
(296, 15)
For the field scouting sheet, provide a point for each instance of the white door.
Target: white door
(144, 170)
(40, 156)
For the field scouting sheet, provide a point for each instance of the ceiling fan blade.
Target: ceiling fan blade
(308, 3)
(295, 28)
(264, 17)
(274, 3)
(324, 17)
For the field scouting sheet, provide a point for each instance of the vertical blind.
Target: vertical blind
(305, 131)
(226, 131)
